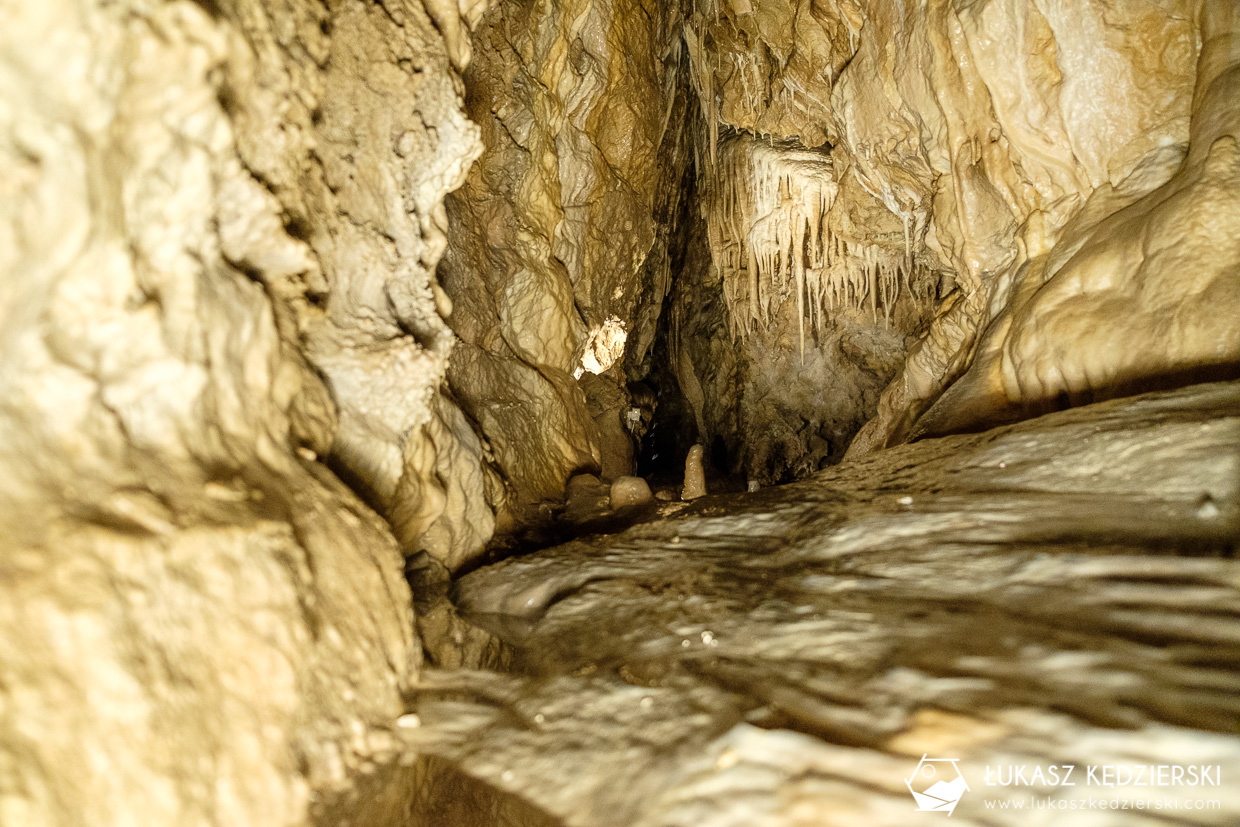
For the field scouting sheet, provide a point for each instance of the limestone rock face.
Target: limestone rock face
(782, 358)
(353, 121)
(253, 352)
(1142, 289)
(989, 147)
(816, 281)
(768, 67)
(199, 624)
(1050, 198)
(581, 115)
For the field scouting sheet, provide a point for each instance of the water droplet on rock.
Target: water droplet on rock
(1207, 509)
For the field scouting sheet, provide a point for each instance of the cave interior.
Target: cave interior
(619, 413)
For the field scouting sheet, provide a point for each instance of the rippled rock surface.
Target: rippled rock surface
(1063, 591)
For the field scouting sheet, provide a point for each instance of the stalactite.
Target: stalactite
(767, 225)
(908, 251)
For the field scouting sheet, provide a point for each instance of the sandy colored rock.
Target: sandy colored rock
(1092, 256)
(1028, 648)
(770, 410)
(218, 228)
(610, 408)
(1143, 288)
(695, 476)
(987, 191)
(254, 355)
(629, 491)
(352, 119)
(580, 107)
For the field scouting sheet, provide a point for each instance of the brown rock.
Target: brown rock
(695, 475)
(629, 491)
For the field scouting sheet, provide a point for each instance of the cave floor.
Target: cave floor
(1059, 592)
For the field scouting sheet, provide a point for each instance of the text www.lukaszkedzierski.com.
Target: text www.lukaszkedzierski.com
(1155, 804)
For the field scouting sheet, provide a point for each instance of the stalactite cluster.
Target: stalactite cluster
(767, 219)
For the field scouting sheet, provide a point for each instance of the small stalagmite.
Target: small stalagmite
(695, 477)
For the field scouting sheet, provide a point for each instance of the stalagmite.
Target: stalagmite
(695, 476)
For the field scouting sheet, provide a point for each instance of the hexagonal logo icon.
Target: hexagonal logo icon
(937, 784)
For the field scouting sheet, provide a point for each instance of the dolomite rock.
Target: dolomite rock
(199, 624)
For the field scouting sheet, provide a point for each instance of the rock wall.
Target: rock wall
(787, 658)
(1037, 194)
(1141, 288)
(227, 403)
(816, 281)
(989, 144)
(556, 266)
(353, 121)
(219, 226)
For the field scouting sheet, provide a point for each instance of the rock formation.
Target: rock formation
(695, 476)
(200, 623)
(554, 267)
(306, 303)
(630, 491)
(991, 598)
(1128, 299)
(1098, 242)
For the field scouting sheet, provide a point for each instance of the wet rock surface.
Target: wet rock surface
(254, 358)
(786, 657)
